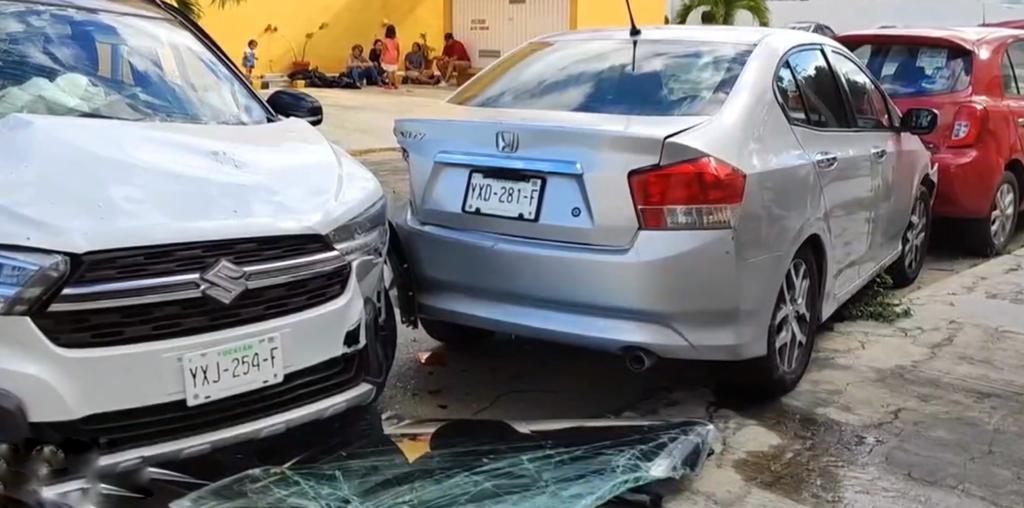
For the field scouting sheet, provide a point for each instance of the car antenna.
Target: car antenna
(634, 31)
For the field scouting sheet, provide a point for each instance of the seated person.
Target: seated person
(376, 53)
(454, 59)
(360, 69)
(416, 71)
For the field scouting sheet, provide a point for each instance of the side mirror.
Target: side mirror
(295, 104)
(919, 121)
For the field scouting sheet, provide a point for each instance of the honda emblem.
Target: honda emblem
(507, 141)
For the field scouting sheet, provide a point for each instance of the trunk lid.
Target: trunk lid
(581, 160)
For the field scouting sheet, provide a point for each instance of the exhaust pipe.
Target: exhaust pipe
(639, 360)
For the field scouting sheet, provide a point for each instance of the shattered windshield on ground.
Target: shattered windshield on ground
(73, 62)
(477, 464)
(355, 461)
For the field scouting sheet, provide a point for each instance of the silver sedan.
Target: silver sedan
(688, 193)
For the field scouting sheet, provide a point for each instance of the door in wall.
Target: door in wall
(491, 28)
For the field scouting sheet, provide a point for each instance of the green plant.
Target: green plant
(428, 50)
(309, 38)
(194, 8)
(723, 12)
(874, 303)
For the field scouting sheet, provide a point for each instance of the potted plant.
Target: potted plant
(428, 50)
(300, 63)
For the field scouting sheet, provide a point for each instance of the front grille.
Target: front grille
(164, 260)
(182, 318)
(131, 428)
(96, 310)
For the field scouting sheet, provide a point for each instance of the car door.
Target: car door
(1013, 86)
(817, 110)
(869, 112)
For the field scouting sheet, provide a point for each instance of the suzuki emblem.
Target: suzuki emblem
(224, 282)
(507, 142)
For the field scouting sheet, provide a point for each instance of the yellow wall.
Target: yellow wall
(350, 22)
(360, 21)
(611, 13)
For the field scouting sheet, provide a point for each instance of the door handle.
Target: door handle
(879, 154)
(826, 161)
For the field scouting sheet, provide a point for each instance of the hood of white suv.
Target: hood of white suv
(81, 184)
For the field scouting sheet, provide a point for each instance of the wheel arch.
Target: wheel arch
(1016, 167)
(816, 245)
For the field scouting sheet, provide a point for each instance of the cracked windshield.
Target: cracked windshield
(502, 254)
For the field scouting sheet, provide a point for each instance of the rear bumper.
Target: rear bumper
(678, 294)
(967, 182)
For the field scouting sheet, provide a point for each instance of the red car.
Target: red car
(974, 78)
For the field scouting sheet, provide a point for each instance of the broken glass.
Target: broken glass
(476, 464)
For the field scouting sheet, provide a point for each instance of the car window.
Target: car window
(869, 108)
(906, 70)
(654, 78)
(819, 89)
(73, 62)
(789, 93)
(1015, 53)
(1010, 85)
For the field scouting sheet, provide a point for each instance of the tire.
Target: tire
(781, 370)
(914, 243)
(381, 348)
(990, 237)
(453, 335)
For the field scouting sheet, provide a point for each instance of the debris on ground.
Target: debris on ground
(875, 302)
(482, 463)
(432, 358)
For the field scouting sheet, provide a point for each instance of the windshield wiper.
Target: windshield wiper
(89, 114)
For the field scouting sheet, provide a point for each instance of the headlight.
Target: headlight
(26, 277)
(364, 236)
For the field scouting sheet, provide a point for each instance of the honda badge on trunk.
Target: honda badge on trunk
(507, 142)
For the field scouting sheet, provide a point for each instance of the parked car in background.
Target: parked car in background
(974, 78)
(813, 27)
(693, 192)
(181, 267)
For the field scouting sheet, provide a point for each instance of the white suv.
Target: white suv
(181, 267)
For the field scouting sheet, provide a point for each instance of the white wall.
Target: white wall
(847, 15)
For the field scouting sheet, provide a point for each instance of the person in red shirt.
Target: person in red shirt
(454, 59)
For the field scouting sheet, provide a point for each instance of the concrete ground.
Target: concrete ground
(927, 412)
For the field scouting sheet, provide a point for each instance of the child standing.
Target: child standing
(249, 58)
(390, 56)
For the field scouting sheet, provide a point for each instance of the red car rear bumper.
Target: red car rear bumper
(967, 182)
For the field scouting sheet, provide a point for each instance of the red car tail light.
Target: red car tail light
(968, 123)
(697, 194)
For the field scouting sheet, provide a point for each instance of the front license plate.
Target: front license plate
(232, 369)
(501, 196)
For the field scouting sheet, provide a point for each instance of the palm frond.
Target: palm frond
(691, 6)
(757, 8)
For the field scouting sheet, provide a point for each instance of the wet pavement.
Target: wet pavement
(926, 412)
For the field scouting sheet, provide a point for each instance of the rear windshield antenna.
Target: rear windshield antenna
(634, 31)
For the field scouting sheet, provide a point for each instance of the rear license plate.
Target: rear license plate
(232, 369)
(503, 195)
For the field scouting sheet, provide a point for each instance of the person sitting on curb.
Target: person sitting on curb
(454, 59)
(416, 71)
(360, 69)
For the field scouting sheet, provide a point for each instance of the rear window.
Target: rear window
(910, 70)
(656, 78)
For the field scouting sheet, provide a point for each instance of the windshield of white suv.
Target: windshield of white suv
(72, 62)
(654, 78)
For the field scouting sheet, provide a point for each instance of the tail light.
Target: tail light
(968, 123)
(697, 194)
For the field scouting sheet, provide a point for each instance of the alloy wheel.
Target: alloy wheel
(914, 238)
(1004, 209)
(792, 322)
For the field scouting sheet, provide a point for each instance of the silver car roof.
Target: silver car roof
(734, 34)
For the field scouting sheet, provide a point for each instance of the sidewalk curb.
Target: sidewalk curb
(373, 151)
